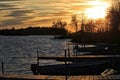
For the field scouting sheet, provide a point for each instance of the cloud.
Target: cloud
(8, 6)
(14, 13)
(9, 9)
(9, 0)
(79, 7)
(17, 17)
(14, 21)
(5, 5)
(46, 20)
(19, 13)
(63, 13)
(25, 12)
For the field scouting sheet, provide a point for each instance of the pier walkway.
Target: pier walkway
(47, 77)
(81, 57)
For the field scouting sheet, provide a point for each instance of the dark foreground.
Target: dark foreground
(47, 77)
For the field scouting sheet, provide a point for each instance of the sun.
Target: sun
(96, 12)
(99, 10)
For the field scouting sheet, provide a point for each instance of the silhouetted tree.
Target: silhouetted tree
(101, 25)
(75, 22)
(59, 24)
(59, 28)
(90, 26)
(114, 16)
(82, 22)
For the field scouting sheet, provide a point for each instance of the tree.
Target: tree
(89, 27)
(59, 24)
(59, 27)
(75, 22)
(114, 16)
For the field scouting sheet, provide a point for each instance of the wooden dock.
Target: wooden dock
(47, 77)
(81, 57)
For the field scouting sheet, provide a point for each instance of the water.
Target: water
(19, 52)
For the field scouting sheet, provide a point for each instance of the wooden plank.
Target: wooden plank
(27, 77)
(80, 77)
(72, 78)
(80, 57)
(86, 78)
(91, 77)
(96, 77)
(115, 77)
(47, 77)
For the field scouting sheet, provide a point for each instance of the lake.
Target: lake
(19, 52)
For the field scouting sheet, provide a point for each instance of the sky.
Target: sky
(25, 13)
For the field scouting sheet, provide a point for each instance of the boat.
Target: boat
(83, 68)
(94, 49)
(98, 49)
(78, 65)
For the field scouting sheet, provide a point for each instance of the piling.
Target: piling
(2, 67)
(37, 57)
(66, 65)
(69, 56)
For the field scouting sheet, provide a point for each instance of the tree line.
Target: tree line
(34, 31)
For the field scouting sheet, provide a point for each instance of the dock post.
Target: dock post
(66, 72)
(37, 57)
(2, 67)
(65, 57)
(69, 55)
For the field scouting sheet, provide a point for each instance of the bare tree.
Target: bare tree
(59, 24)
(90, 26)
(59, 28)
(75, 23)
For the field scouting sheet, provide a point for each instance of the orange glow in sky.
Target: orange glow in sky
(25, 13)
(99, 9)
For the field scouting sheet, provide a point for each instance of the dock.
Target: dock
(47, 77)
(81, 57)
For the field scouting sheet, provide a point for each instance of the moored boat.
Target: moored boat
(83, 68)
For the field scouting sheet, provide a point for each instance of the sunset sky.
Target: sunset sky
(24, 13)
